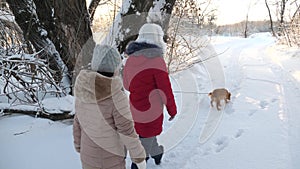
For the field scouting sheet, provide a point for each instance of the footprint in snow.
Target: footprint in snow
(239, 133)
(206, 151)
(221, 143)
(172, 155)
(274, 100)
(252, 112)
(229, 109)
(263, 104)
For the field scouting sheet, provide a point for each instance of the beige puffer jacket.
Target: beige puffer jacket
(103, 123)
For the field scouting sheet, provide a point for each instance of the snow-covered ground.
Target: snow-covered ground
(259, 129)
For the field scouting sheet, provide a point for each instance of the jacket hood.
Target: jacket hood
(91, 87)
(144, 49)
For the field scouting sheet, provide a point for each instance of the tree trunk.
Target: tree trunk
(270, 16)
(246, 22)
(296, 13)
(246, 26)
(134, 14)
(282, 11)
(33, 31)
(92, 9)
(68, 24)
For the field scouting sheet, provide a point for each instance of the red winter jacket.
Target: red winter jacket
(145, 76)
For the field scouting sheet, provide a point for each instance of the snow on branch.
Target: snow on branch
(31, 71)
(25, 78)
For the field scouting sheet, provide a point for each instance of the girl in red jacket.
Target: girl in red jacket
(145, 76)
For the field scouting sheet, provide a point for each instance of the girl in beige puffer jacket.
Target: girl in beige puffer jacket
(103, 127)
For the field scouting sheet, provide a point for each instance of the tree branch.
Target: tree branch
(42, 114)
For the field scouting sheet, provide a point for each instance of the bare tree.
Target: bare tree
(69, 28)
(246, 23)
(186, 30)
(297, 11)
(58, 28)
(247, 17)
(33, 31)
(282, 5)
(288, 18)
(293, 27)
(25, 78)
(270, 18)
(205, 12)
(92, 8)
(38, 40)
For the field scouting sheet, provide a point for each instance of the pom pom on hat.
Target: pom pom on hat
(105, 59)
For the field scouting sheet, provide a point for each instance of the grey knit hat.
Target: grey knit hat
(105, 59)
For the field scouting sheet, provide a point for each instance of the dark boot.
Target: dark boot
(134, 166)
(157, 158)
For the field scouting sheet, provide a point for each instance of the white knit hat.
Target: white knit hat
(105, 59)
(151, 33)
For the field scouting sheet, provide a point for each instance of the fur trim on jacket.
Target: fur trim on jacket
(145, 49)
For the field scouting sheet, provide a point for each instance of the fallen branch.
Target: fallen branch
(40, 113)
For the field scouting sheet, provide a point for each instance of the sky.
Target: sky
(233, 11)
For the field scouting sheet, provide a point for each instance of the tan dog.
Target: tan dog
(217, 95)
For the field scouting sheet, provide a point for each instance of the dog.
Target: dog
(218, 95)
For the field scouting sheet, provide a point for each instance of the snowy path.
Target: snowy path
(288, 71)
(260, 127)
(256, 131)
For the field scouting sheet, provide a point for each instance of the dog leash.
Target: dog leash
(189, 92)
